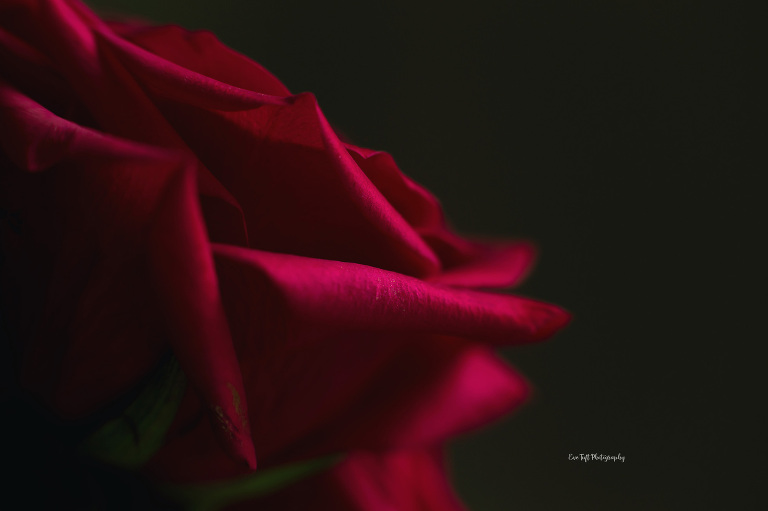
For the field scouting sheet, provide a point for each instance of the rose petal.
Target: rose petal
(464, 263)
(335, 295)
(200, 51)
(311, 403)
(492, 265)
(434, 390)
(302, 193)
(292, 317)
(186, 280)
(90, 326)
(131, 227)
(28, 69)
(68, 34)
(318, 385)
(397, 481)
(168, 79)
(416, 204)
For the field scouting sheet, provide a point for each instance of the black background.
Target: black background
(624, 137)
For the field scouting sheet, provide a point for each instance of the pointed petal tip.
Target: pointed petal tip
(239, 448)
(540, 321)
(554, 320)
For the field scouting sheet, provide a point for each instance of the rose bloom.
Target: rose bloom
(205, 287)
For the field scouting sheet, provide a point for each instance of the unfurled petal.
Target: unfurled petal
(347, 296)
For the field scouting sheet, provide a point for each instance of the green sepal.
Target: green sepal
(131, 439)
(213, 496)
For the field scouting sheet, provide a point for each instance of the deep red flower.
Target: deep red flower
(161, 193)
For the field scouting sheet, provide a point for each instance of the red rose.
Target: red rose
(160, 194)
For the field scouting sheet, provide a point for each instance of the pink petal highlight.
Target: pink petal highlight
(331, 294)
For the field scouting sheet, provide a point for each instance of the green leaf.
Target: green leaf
(131, 439)
(213, 496)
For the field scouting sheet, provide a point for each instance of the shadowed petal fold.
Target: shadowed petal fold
(121, 224)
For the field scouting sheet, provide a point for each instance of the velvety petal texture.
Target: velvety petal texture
(162, 195)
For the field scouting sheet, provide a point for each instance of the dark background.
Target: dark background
(623, 136)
